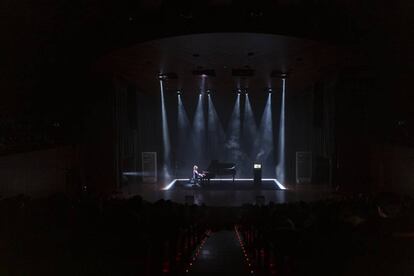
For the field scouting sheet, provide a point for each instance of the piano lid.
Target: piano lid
(215, 164)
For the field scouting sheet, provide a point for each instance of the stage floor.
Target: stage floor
(227, 193)
(226, 184)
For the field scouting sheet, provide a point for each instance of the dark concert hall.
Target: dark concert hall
(210, 137)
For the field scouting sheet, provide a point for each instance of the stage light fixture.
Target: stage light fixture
(165, 76)
(236, 72)
(205, 72)
(279, 74)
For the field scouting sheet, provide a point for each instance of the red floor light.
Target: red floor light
(243, 249)
(197, 251)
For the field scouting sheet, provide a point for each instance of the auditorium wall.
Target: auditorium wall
(392, 169)
(39, 173)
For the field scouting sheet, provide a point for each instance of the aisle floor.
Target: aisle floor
(220, 255)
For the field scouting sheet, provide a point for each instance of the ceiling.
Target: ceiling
(305, 61)
(55, 42)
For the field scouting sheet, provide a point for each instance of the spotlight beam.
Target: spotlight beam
(198, 131)
(165, 135)
(249, 127)
(215, 135)
(183, 133)
(280, 169)
(264, 142)
(232, 144)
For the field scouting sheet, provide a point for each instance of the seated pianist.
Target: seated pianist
(197, 176)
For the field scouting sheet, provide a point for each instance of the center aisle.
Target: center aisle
(220, 255)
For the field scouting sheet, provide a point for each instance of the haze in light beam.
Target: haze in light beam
(264, 142)
(198, 132)
(215, 135)
(165, 136)
(183, 139)
(280, 169)
(249, 128)
(232, 144)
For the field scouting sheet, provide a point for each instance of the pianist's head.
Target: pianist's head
(195, 167)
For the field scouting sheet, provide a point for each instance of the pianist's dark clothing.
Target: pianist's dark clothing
(196, 176)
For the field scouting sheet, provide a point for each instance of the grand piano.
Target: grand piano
(217, 169)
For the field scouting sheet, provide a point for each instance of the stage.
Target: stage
(225, 192)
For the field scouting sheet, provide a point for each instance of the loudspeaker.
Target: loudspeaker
(318, 105)
(132, 107)
(303, 166)
(321, 174)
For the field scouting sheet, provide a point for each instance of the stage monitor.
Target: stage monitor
(257, 174)
(257, 166)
